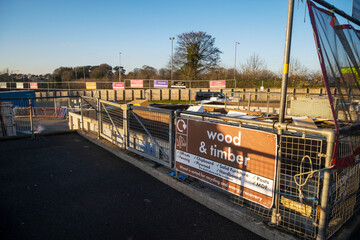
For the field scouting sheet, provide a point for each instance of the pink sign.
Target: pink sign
(34, 85)
(137, 83)
(217, 84)
(118, 86)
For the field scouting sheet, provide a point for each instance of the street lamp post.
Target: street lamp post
(172, 57)
(236, 43)
(119, 66)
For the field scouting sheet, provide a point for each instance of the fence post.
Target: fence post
(268, 103)
(172, 140)
(126, 109)
(249, 102)
(99, 117)
(31, 119)
(82, 115)
(55, 107)
(326, 187)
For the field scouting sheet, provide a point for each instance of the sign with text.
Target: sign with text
(34, 85)
(242, 161)
(178, 84)
(91, 85)
(137, 83)
(19, 85)
(217, 84)
(118, 85)
(160, 84)
(2, 84)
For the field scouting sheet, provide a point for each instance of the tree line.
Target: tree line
(196, 58)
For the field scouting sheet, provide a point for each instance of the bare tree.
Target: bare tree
(254, 64)
(255, 68)
(195, 53)
(298, 73)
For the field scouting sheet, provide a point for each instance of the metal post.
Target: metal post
(172, 58)
(126, 124)
(55, 111)
(120, 68)
(172, 140)
(326, 187)
(267, 104)
(285, 74)
(82, 116)
(226, 96)
(99, 118)
(249, 102)
(274, 217)
(31, 119)
(236, 43)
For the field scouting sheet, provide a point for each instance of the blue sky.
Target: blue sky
(39, 36)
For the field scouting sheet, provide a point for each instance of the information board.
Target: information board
(240, 160)
(217, 84)
(34, 85)
(137, 83)
(91, 85)
(118, 85)
(160, 84)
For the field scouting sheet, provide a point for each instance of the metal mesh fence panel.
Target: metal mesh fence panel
(38, 115)
(112, 122)
(89, 107)
(344, 189)
(299, 194)
(149, 132)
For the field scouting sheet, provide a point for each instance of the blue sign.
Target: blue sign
(160, 84)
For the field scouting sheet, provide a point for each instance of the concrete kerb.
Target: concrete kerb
(210, 199)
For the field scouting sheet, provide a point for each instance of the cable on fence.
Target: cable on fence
(309, 174)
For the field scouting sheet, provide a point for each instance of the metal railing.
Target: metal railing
(36, 115)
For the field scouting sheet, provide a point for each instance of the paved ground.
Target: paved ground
(64, 187)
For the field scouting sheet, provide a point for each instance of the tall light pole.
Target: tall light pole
(120, 67)
(172, 57)
(236, 43)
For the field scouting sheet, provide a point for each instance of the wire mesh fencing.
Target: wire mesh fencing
(150, 133)
(344, 189)
(112, 122)
(21, 116)
(298, 202)
(303, 156)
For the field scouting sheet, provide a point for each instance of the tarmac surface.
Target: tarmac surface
(65, 187)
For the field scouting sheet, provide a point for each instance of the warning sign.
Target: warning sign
(239, 160)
